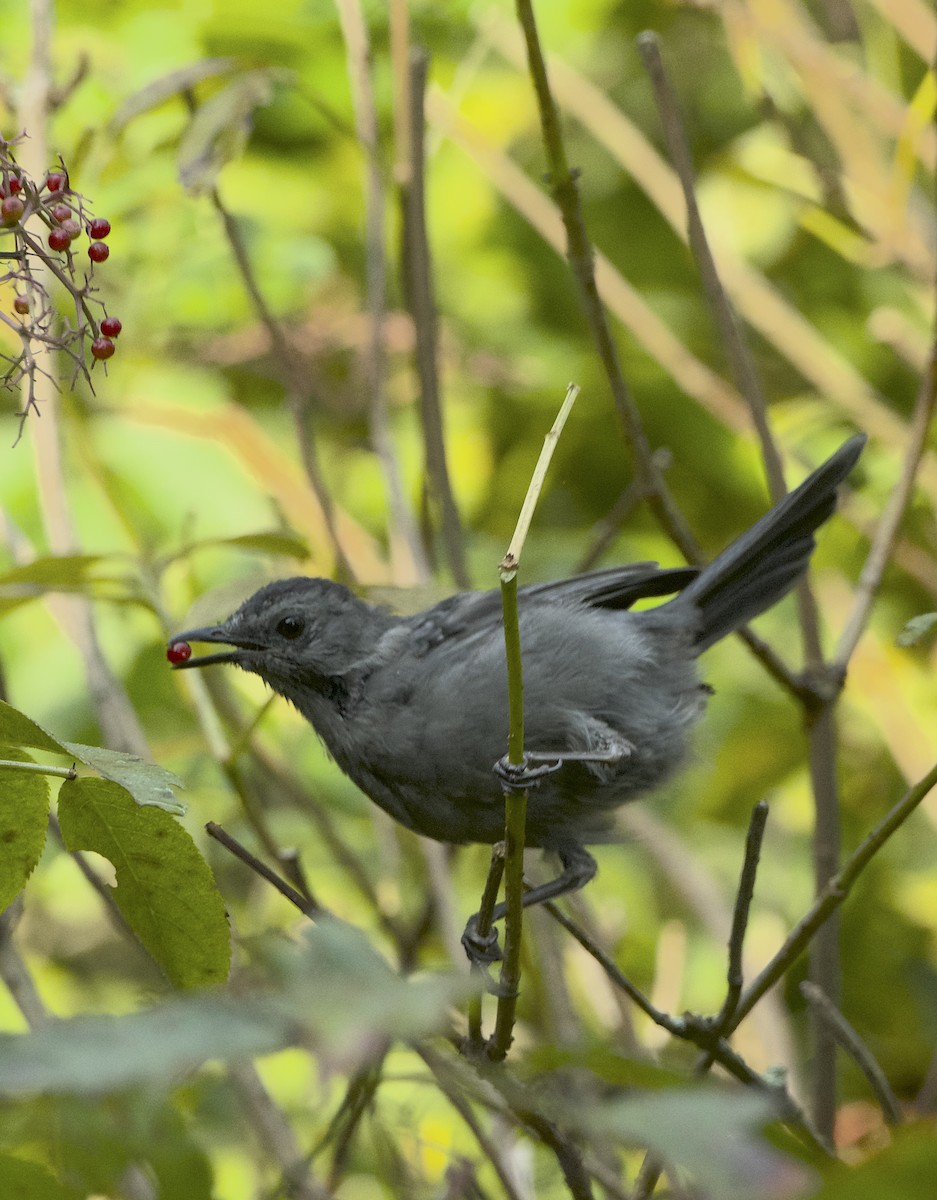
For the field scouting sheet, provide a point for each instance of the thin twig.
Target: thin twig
(743, 903)
(454, 1093)
(418, 281)
(886, 534)
(293, 376)
(832, 897)
(15, 974)
(690, 1028)
(850, 1041)
(358, 1098)
(483, 930)
(272, 1129)
(727, 325)
(309, 907)
(825, 964)
(405, 538)
(512, 559)
(565, 192)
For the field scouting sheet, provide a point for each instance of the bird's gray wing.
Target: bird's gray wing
(472, 614)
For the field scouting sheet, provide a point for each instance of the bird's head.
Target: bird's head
(296, 634)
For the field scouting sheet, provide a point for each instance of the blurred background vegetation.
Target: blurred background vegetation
(812, 133)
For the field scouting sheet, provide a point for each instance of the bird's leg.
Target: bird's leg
(578, 868)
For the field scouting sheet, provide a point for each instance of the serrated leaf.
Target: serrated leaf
(16, 729)
(24, 819)
(30, 1181)
(148, 783)
(165, 889)
(220, 127)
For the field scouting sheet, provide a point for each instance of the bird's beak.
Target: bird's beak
(207, 633)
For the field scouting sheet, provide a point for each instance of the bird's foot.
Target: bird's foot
(517, 777)
(482, 949)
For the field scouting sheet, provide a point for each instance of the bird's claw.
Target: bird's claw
(482, 949)
(517, 777)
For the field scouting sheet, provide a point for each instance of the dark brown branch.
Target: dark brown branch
(850, 1041)
(294, 379)
(743, 904)
(306, 905)
(832, 896)
(565, 192)
(418, 281)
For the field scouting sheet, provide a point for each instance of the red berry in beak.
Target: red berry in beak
(179, 652)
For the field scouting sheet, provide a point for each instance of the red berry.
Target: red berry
(60, 212)
(102, 348)
(111, 327)
(99, 228)
(178, 652)
(21, 305)
(14, 185)
(59, 240)
(98, 251)
(12, 209)
(72, 228)
(55, 181)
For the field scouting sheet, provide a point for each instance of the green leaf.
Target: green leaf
(24, 819)
(905, 1169)
(148, 783)
(63, 573)
(164, 887)
(219, 130)
(283, 542)
(357, 998)
(16, 729)
(30, 1181)
(332, 992)
(276, 541)
(711, 1132)
(100, 1054)
(168, 87)
(916, 629)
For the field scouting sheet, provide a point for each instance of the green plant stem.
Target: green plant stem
(515, 808)
(40, 768)
(515, 820)
(483, 928)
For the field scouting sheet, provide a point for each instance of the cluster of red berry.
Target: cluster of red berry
(57, 206)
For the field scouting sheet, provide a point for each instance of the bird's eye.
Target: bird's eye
(291, 627)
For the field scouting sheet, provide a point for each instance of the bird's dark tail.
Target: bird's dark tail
(766, 561)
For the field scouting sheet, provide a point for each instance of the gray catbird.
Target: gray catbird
(414, 709)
